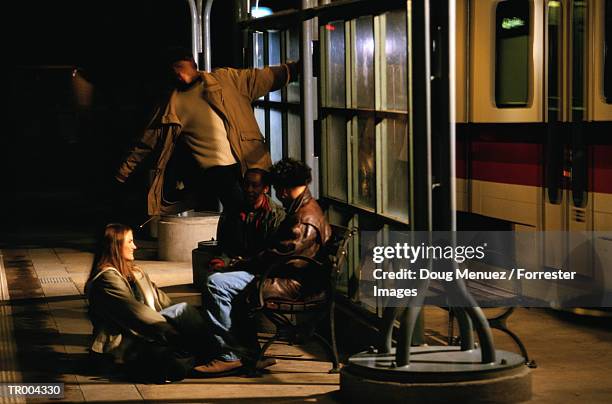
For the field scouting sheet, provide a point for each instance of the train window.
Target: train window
(335, 148)
(364, 162)
(336, 64)
(276, 135)
(608, 52)
(512, 54)
(292, 53)
(396, 172)
(395, 51)
(294, 138)
(554, 61)
(578, 60)
(363, 59)
(274, 58)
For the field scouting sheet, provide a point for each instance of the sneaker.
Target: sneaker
(217, 367)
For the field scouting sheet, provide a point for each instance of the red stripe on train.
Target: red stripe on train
(522, 164)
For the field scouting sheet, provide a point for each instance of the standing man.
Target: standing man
(205, 135)
(303, 232)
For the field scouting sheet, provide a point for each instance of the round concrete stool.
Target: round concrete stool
(436, 374)
(178, 235)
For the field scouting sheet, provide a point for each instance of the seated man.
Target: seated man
(303, 232)
(244, 233)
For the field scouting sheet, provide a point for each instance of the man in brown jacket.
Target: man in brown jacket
(208, 117)
(303, 232)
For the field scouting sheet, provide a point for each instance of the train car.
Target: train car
(534, 114)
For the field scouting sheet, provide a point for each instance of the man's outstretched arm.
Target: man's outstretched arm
(255, 83)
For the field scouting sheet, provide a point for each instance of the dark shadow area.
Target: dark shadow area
(600, 321)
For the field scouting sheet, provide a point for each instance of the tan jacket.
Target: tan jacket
(230, 92)
(117, 315)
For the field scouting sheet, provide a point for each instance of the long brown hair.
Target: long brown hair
(109, 252)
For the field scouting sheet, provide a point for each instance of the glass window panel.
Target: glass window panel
(363, 260)
(336, 73)
(294, 138)
(260, 116)
(292, 52)
(512, 54)
(396, 173)
(364, 62)
(258, 49)
(578, 59)
(554, 63)
(335, 149)
(364, 163)
(274, 58)
(276, 135)
(608, 52)
(396, 61)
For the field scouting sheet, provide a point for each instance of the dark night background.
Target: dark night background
(58, 154)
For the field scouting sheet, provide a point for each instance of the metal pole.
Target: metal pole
(421, 217)
(206, 34)
(196, 33)
(307, 98)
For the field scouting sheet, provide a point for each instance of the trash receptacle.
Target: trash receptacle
(179, 234)
(201, 256)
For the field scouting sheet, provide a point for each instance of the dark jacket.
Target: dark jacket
(230, 93)
(244, 234)
(303, 232)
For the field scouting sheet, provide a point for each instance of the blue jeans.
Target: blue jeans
(218, 298)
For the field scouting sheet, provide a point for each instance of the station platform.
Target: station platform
(45, 333)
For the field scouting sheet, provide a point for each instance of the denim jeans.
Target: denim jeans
(220, 294)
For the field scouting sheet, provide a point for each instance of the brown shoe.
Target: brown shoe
(217, 367)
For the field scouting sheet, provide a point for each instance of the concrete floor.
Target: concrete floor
(44, 335)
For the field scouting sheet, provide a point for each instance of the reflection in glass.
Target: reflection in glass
(554, 65)
(260, 116)
(396, 61)
(341, 218)
(276, 135)
(364, 62)
(258, 49)
(578, 60)
(274, 58)
(294, 138)
(364, 163)
(512, 53)
(336, 74)
(396, 171)
(335, 150)
(292, 52)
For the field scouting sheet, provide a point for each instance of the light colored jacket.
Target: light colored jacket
(117, 315)
(230, 93)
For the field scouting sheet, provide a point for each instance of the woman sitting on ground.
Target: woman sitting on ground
(134, 322)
